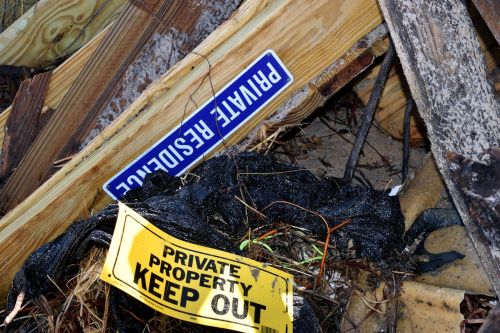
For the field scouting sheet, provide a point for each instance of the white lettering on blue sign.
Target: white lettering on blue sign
(205, 128)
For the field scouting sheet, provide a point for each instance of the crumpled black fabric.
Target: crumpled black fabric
(205, 210)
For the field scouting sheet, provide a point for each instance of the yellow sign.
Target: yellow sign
(196, 283)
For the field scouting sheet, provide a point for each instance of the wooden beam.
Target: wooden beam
(490, 11)
(24, 122)
(390, 113)
(301, 33)
(316, 92)
(98, 72)
(447, 76)
(54, 29)
(156, 53)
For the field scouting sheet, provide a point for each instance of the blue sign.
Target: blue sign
(205, 128)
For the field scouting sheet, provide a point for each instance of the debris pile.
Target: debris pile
(221, 204)
(159, 104)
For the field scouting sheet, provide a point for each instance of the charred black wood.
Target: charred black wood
(406, 138)
(479, 183)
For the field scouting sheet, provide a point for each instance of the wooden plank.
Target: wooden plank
(301, 33)
(314, 95)
(24, 122)
(390, 113)
(185, 21)
(54, 29)
(155, 55)
(447, 76)
(490, 11)
(105, 62)
(62, 78)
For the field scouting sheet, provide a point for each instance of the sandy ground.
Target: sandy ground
(325, 142)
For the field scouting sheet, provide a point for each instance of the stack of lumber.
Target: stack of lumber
(152, 68)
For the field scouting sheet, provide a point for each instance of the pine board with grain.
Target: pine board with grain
(53, 29)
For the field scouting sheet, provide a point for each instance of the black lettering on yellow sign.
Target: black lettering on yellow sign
(233, 306)
(169, 292)
(205, 264)
(203, 280)
(195, 283)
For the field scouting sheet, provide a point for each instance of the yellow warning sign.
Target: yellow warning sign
(196, 283)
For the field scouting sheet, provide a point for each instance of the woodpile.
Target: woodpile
(108, 79)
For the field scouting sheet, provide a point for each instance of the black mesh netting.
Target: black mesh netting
(208, 210)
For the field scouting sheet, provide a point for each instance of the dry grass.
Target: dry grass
(82, 304)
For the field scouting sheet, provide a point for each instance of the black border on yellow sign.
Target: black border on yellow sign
(190, 250)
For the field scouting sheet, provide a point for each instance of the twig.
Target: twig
(368, 113)
(325, 248)
(16, 309)
(329, 231)
(250, 207)
(406, 137)
(269, 233)
(273, 173)
(325, 122)
(367, 302)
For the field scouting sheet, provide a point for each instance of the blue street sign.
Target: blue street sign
(205, 128)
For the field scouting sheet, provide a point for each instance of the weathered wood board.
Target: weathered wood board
(189, 22)
(11, 10)
(62, 78)
(301, 33)
(447, 76)
(26, 110)
(316, 92)
(390, 112)
(53, 29)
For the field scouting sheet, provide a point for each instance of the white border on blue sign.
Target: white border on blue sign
(200, 108)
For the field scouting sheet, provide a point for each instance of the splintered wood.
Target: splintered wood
(61, 80)
(98, 81)
(26, 110)
(302, 35)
